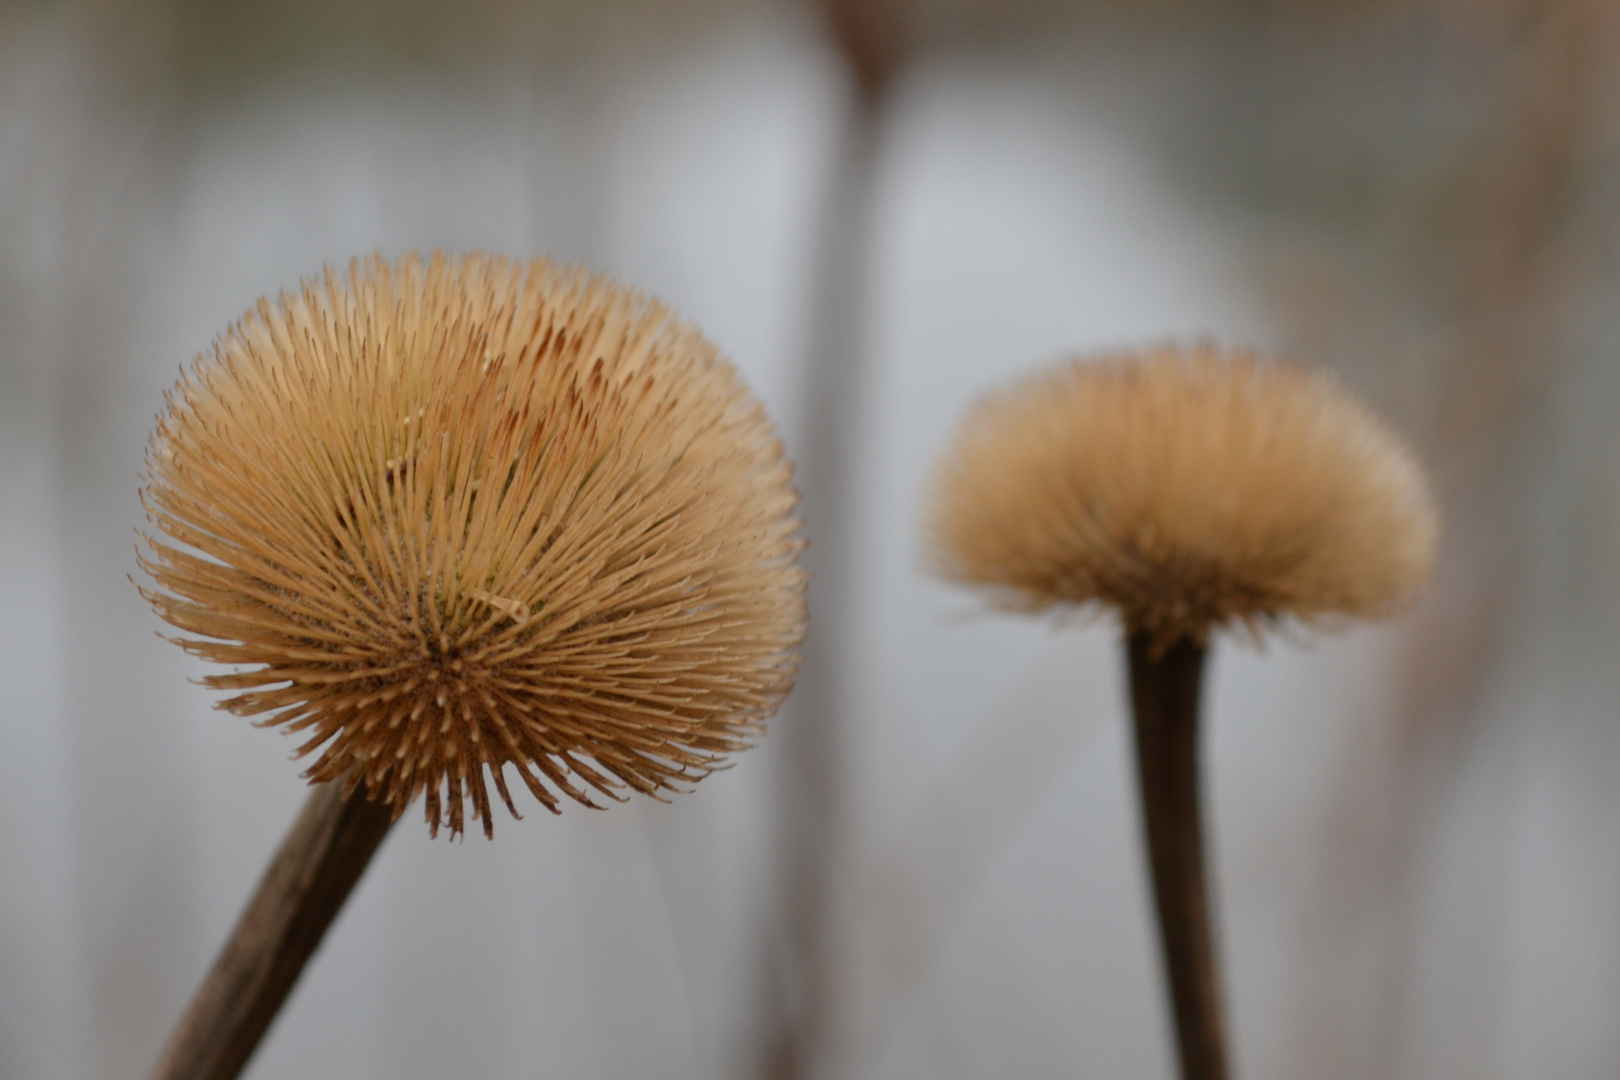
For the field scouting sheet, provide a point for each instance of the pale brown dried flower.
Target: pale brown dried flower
(450, 515)
(1190, 488)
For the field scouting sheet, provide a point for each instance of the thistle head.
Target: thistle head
(1189, 488)
(454, 516)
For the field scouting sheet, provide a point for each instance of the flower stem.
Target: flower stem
(1164, 696)
(300, 894)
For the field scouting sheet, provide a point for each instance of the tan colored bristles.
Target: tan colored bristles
(449, 515)
(1190, 488)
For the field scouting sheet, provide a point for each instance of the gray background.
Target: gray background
(1416, 825)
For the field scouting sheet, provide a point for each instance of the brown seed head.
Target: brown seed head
(453, 515)
(1190, 488)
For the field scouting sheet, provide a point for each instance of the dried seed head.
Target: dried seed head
(453, 515)
(1190, 488)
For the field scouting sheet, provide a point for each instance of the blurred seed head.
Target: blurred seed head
(449, 516)
(1190, 488)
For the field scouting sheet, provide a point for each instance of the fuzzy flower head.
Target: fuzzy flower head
(466, 518)
(1189, 488)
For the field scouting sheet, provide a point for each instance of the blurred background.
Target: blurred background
(930, 867)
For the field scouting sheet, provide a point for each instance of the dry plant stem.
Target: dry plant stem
(1164, 696)
(282, 926)
(799, 1034)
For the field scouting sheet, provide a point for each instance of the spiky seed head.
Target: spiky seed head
(1189, 488)
(452, 516)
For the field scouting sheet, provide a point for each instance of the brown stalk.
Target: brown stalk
(1164, 696)
(323, 856)
(799, 1033)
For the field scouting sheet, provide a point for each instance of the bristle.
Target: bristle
(1188, 488)
(458, 514)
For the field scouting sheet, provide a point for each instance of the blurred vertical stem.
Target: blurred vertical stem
(1165, 684)
(324, 855)
(1525, 242)
(803, 980)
